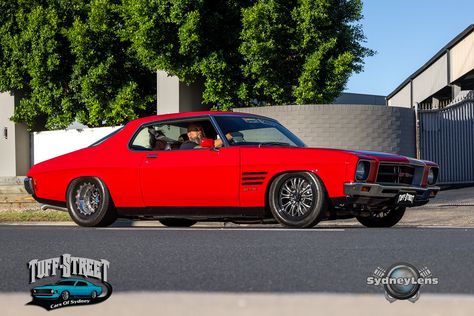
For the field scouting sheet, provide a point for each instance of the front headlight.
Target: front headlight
(432, 175)
(362, 170)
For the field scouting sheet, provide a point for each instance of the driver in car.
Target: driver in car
(196, 134)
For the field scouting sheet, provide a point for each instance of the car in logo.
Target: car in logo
(66, 289)
(227, 166)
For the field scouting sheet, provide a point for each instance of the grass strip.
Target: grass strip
(34, 216)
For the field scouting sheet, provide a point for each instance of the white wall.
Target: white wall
(50, 144)
(7, 145)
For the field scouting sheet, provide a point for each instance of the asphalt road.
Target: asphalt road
(336, 260)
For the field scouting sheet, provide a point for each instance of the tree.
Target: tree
(66, 61)
(251, 52)
(195, 40)
(96, 60)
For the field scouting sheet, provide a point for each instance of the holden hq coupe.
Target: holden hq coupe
(227, 166)
(65, 289)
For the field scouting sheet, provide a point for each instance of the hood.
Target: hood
(46, 286)
(382, 156)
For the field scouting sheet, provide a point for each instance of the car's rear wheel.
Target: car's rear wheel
(93, 294)
(65, 295)
(297, 199)
(384, 218)
(89, 202)
(177, 222)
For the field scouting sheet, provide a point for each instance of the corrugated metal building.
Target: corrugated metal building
(447, 77)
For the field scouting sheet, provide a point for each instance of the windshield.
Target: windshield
(256, 131)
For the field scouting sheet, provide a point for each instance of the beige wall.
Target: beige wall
(7, 146)
(402, 98)
(462, 57)
(430, 81)
(22, 150)
(167, 93)
(174, 96)
(15, 150)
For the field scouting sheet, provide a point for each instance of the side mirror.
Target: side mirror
(207, 143)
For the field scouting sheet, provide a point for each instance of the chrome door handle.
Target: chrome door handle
(152, 156)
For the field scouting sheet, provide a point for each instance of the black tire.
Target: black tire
(297, 199)
(177, 222)
(65, 295)
(386, 218)
(89, 203)
(93, 295)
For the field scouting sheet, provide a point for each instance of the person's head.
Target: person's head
(195, 133)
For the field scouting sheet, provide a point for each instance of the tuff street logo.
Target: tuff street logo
(68, 266)
(407, 197)
(402, 281)
(74, 288)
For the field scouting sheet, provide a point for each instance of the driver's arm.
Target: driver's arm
(218, 142)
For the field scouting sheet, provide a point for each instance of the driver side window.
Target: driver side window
(170, 135)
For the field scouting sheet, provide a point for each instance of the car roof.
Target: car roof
(192, 114)
(72, 279)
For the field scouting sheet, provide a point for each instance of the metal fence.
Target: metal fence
(441, 104)
(447, 138)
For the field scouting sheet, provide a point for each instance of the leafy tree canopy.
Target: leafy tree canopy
(251, 52)
(66, 61)
(95, 60)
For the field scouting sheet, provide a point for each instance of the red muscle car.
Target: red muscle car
(236, 167)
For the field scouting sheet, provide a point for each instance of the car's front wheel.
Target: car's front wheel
(177, 222)
(89, 202)
(384, 218)
(297, 199)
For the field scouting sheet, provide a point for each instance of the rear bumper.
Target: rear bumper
(369, 193)
(28, 183)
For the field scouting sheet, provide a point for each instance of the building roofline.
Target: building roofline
(433, 59)
(362, 94)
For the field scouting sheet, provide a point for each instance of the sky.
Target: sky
(405, 34)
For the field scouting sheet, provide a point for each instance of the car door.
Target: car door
(200, 177)
(191, 178)
(81, 288)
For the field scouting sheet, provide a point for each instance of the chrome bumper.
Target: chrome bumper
(28, 183)
(387, 191)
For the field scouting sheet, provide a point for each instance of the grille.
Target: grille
(42, 291)
(397, 174)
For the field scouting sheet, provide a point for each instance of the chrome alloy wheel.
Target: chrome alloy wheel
(296, 197)
(88, 198)
(381, 214)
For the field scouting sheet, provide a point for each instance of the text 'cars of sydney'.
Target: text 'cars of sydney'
(246, 168)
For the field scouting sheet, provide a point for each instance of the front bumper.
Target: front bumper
(386, 191)
(371, 192)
